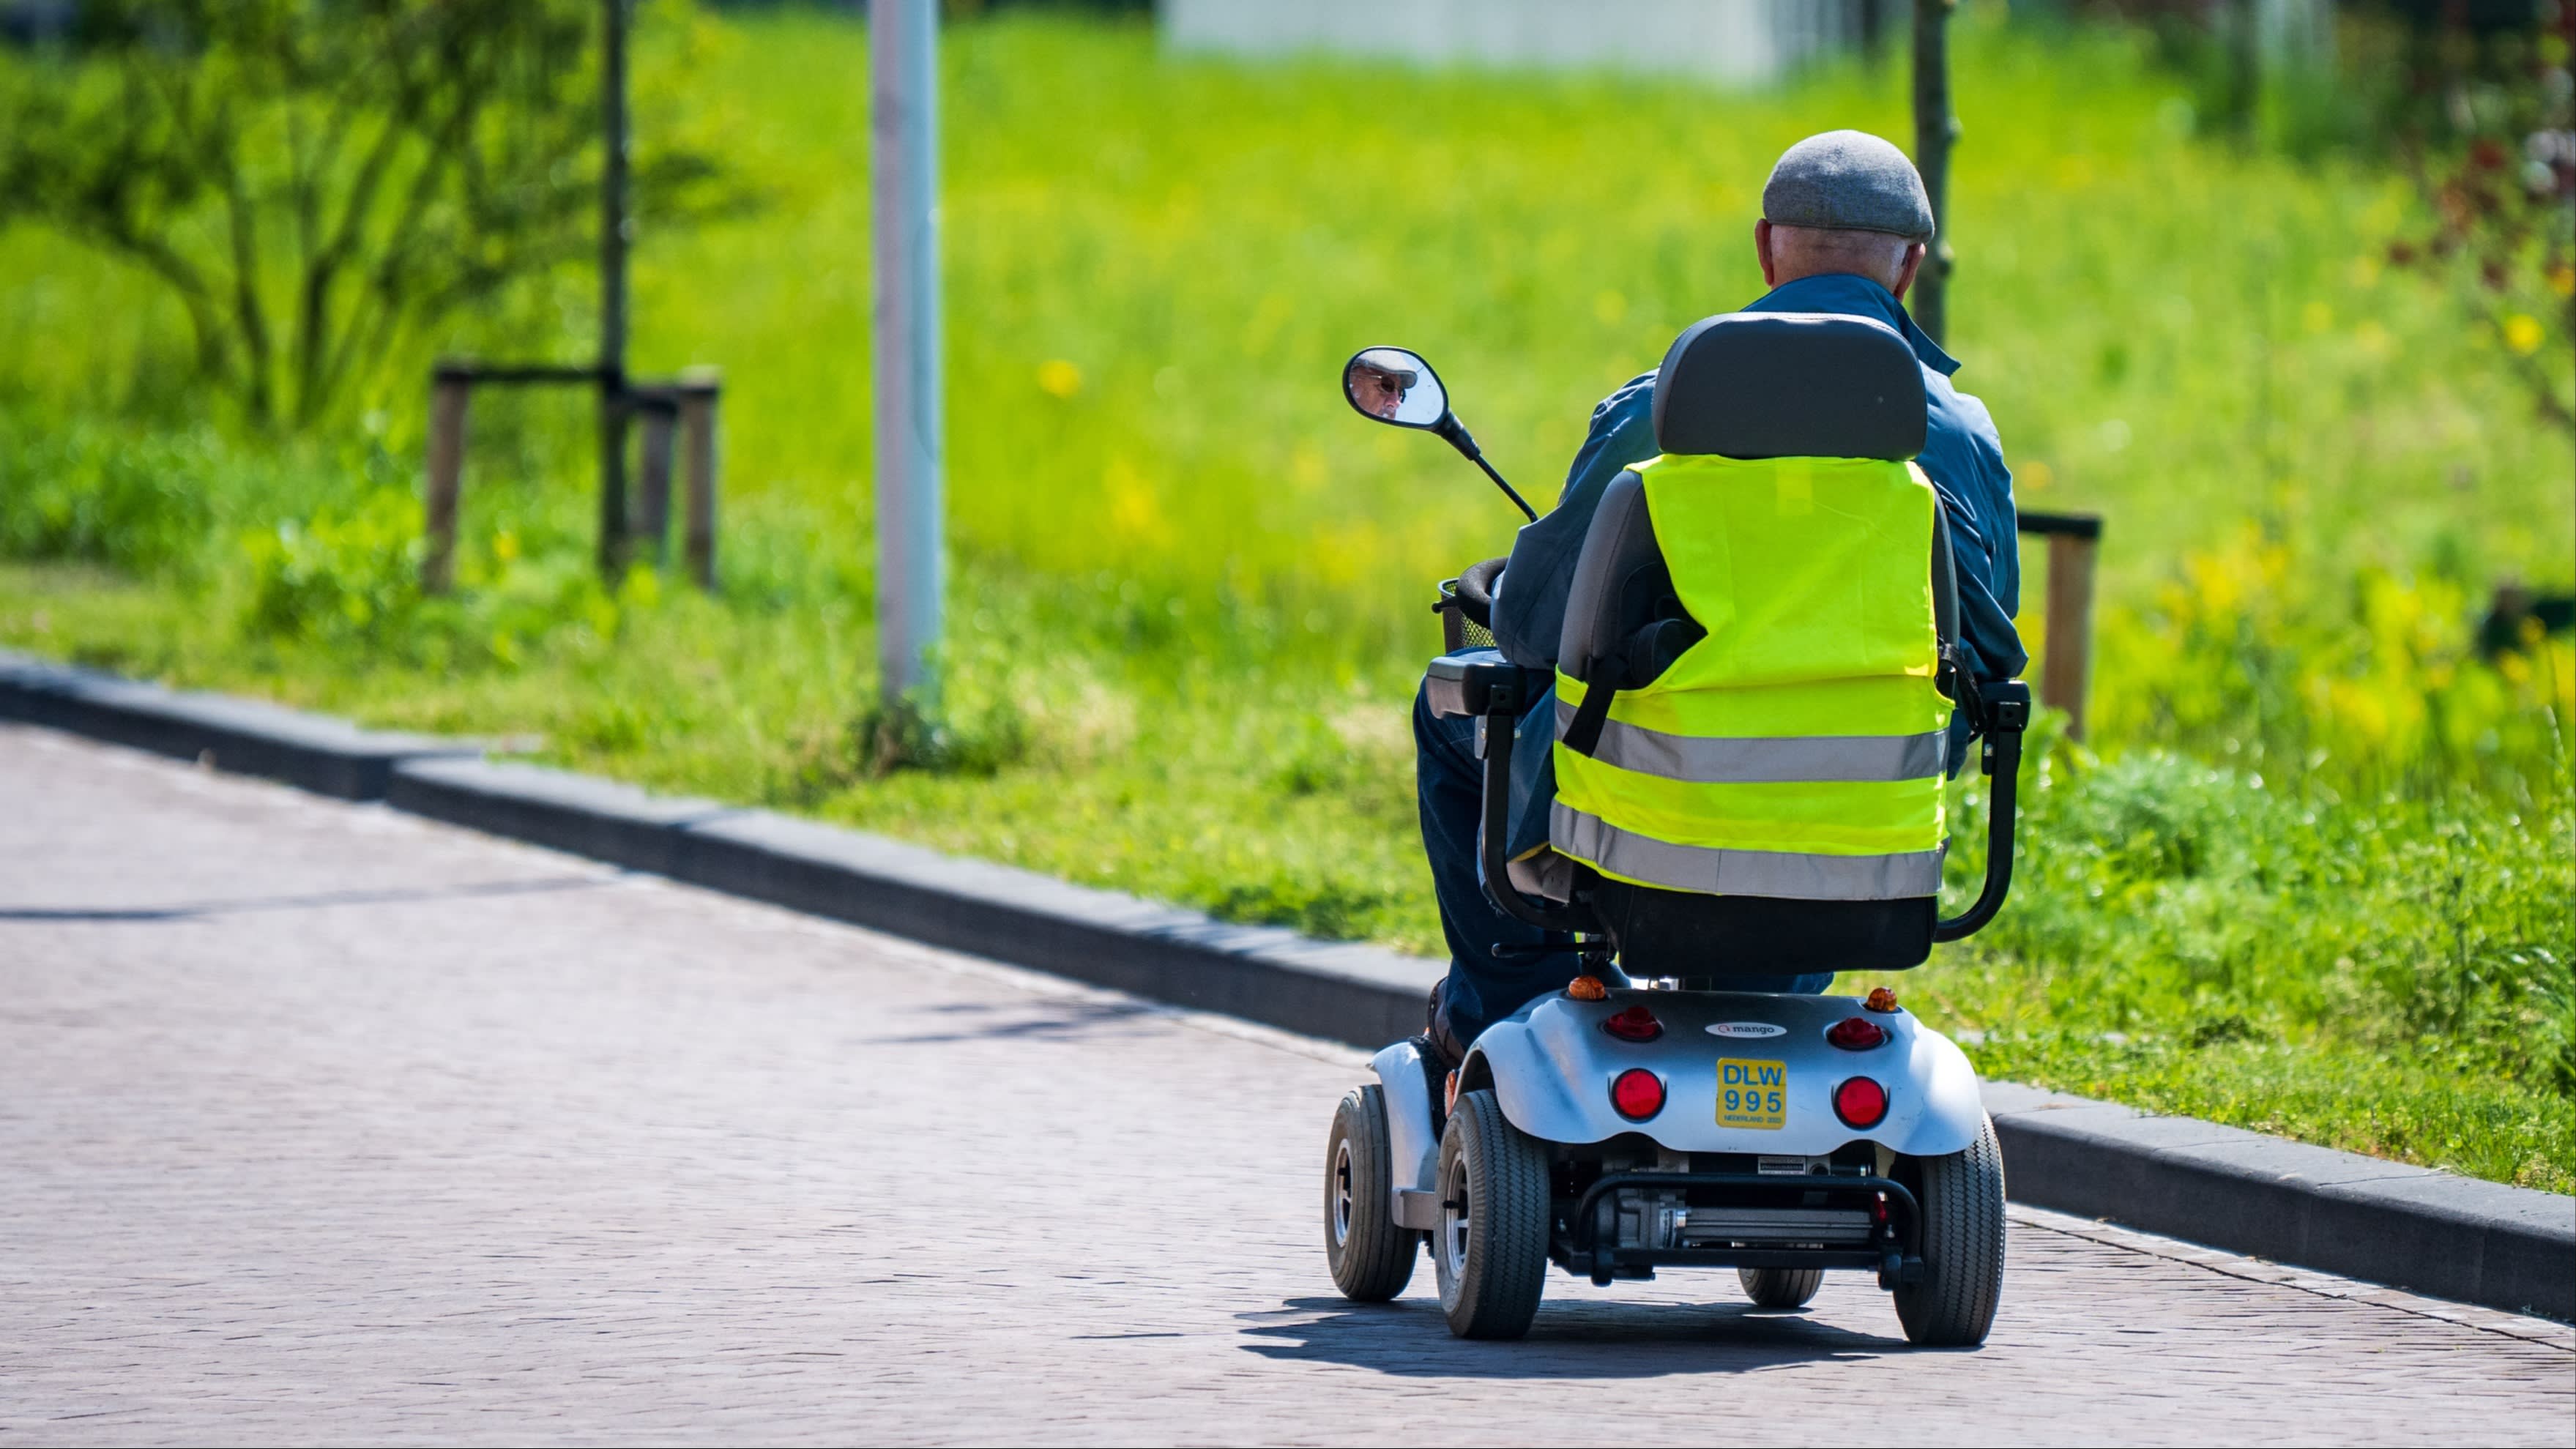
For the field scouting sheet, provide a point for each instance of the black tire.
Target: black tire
(1490, 1250)
(1781, 1287)
(1963, 1247)
(1372, 1258)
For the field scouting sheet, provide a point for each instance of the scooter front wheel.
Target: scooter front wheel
(1491, 1247)
(1371, 1258)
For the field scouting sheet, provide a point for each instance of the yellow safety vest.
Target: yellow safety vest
(1799, 749)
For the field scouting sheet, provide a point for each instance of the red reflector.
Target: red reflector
(1637, 1093)
(1634, 1024)
(1860, 1102)
(1856, 1034)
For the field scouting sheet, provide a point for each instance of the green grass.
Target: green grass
(2318, 879)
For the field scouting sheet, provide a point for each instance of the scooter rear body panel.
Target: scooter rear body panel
(1552, 1064)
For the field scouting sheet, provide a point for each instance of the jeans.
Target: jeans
(1483, 988)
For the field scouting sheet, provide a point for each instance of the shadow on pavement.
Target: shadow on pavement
(200, 909)
(1572, 1339)
(1053, 1021)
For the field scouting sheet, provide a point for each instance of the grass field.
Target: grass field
(2317, 878)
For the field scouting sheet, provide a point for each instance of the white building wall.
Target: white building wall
(1740, 41)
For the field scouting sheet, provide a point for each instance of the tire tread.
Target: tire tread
(1376, 1260)
(1507, 1257)
(1780, 1287)
(1962, 1196)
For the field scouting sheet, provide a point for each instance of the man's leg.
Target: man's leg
(1481, 988)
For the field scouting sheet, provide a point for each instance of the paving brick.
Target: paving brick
(322, 1122)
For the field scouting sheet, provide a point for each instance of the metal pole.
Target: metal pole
(1934, 129)
(903, 156)
(613, 237)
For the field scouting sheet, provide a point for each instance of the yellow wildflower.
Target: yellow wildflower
(1059, 378)
(2522, 333)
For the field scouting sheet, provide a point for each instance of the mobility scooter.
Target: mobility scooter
(1648, 1116)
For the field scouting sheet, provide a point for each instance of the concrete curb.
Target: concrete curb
(310, 751)
(2362, 1217)
(2430, 1232)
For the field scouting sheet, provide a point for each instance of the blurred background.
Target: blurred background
(2282, 289)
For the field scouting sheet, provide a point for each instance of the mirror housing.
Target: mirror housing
(1394, 385)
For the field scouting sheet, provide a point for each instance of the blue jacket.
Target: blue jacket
(1961, 455)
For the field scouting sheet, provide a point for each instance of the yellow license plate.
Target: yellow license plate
(1752, 1094)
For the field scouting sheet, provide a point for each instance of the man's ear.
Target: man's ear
(1762, 250)
(1905, 273)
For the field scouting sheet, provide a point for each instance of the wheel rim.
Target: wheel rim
(1341, 1192)
(1456, 1218)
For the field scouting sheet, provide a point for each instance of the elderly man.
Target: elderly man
(1845, 222)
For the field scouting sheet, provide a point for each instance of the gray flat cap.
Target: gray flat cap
(1848, 181)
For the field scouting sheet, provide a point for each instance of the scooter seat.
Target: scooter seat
(1693, 937)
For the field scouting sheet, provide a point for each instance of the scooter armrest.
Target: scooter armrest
(2006, 707)
(2004, 712)
(1480, 682)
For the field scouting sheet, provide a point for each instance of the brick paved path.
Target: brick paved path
(321, 1123)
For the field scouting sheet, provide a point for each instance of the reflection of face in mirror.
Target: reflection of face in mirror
(1379, 391)
(1395, 386)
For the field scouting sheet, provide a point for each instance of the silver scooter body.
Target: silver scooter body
(1551, 1064)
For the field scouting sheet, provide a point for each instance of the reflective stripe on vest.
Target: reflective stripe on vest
(1710, 870)
(1753, 761)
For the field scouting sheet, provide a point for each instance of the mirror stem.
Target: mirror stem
(1517, 501)
(1455, 434)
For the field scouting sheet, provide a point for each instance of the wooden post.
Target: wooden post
(653, 492)
(1934, 129)
(698, 387)
(2066, 661)
(2067, 672)
(450, 387)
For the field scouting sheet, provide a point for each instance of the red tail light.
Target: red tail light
(1856, 1034)
(1637, 1093)
(1634, 1024)
(1860, 1102)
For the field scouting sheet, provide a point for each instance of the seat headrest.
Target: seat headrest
(1790, 385)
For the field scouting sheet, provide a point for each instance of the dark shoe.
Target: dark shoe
(1438, 1044)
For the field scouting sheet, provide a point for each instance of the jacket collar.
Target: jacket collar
(1854, 296)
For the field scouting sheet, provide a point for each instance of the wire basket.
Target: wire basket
(1466, 605)
(1457, 631)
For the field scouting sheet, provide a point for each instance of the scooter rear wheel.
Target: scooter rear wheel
(1371, 1258)
(1962, 1195)
(1491, 1247)
(1780, 1287)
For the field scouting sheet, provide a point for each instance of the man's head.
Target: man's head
(1844, 202)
